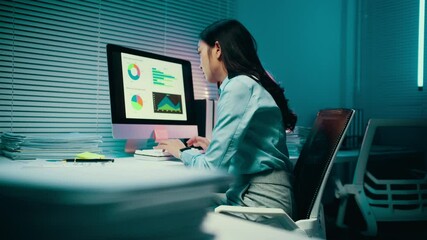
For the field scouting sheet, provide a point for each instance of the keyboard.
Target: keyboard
(153, 153)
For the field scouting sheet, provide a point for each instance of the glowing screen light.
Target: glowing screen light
(421, 45)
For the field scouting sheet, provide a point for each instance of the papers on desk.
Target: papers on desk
(153, 154)
(58, 146)
(154, 158)
(296, 139)
(120, 200)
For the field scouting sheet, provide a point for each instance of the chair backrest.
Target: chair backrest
(315, 161)
(391, 136)
(390, 178)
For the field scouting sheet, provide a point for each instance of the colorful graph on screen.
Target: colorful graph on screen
(133, 71)
(137, 102)
(162, 79)
(167, 103)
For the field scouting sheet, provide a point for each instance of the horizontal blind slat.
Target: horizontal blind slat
(53, 70)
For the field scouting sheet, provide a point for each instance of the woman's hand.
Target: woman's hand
(199, 142)
(172, 146)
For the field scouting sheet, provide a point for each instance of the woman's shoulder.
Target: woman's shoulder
(240, 81)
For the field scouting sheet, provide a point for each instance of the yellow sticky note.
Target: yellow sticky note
(89, 155)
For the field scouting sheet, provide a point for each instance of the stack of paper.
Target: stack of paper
(153, 154)
(116, 200)
(296, 139)
(154, 158)
(57, 146)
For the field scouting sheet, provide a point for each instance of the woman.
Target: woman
(249, 139)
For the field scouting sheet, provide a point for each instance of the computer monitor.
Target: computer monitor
(151, 97)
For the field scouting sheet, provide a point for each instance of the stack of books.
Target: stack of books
(296, 139)
(45, 146)
(119, 200)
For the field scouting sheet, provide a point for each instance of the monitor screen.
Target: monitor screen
(151, 95)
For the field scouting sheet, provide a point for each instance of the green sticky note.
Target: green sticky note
(89, 155)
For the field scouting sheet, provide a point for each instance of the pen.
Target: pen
(88, 160)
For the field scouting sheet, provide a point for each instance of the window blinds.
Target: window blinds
(389, 60)
(53, 69)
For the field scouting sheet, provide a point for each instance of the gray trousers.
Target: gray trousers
(271, 189)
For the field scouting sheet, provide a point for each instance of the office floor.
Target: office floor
(386, 231)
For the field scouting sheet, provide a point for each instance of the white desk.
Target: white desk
(221, 226)
(343, 156)
(344, 164)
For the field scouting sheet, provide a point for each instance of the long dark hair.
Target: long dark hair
(239, 53)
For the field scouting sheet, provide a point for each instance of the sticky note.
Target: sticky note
(89, 155)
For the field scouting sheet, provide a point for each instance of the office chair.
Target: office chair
(311, 172)
(390, 177)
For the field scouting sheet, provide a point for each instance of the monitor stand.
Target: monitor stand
(147, 136)
(136, 144)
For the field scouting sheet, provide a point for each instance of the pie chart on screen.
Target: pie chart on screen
(137, 102)
(133, 71)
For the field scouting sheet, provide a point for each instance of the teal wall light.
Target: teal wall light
(421, 25)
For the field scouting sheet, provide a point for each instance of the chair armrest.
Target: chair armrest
(274, 212)
(343, 191)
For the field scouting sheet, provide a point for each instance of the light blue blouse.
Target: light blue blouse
(248, 137)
